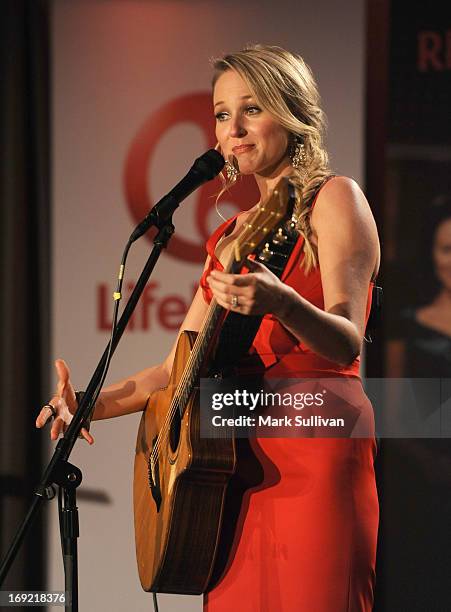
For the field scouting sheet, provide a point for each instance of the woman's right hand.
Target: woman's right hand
(64, 403)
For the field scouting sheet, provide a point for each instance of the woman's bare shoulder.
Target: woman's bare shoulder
(339, 199)
(342, 215)
(343, 190)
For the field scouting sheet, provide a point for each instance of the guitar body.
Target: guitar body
(181, 479)
(179, 489)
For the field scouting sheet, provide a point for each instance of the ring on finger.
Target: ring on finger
(234, 301)
(52, 409)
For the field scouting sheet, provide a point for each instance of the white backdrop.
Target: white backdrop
(128, 75)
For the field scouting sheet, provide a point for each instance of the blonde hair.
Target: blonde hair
(284, 85)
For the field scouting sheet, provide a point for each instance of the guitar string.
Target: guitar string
(194, 355)
(188, 368)
(154, 455)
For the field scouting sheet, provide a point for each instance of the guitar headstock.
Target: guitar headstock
(271, 224)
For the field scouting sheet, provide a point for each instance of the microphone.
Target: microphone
(205, 168)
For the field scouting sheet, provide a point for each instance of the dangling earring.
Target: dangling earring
(297, 154)
(231, 171)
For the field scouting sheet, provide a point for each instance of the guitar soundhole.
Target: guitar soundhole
(153, 474)
(174, 434)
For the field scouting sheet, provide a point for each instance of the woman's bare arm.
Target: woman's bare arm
(348, 253)
(125, 397)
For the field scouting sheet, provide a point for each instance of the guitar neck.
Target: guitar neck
(201, 351)
(273, 215)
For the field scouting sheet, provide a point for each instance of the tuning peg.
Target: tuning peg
(266, 254)
(290, 226)
(280, 237)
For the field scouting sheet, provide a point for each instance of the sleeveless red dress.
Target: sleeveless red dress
(307, 538)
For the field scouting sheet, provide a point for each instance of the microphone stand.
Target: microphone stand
(59, 471)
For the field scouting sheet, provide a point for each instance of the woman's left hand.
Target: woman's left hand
(257, 293)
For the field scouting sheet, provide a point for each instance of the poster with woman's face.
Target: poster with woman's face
(417, 207)
(415, 472)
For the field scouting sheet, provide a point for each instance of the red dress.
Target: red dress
(307, 537)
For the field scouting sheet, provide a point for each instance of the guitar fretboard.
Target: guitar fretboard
(252, 236)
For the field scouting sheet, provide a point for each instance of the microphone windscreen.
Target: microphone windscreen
(209, 164)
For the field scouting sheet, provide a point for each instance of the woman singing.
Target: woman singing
(308, 538)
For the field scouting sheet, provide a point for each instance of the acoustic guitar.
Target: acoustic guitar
(181, 478)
